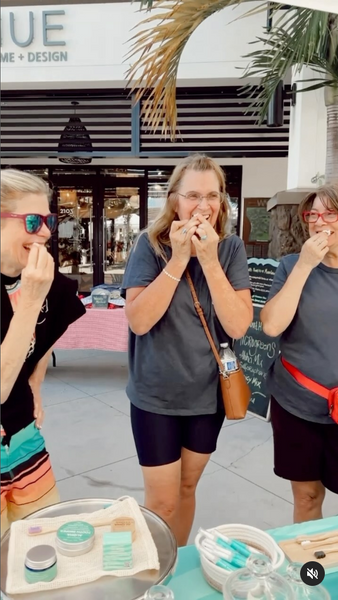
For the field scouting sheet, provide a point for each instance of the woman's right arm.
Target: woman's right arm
(278, 313)
(36, 280)
(145, 306)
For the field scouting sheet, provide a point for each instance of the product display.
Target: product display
(75, 538)
(117, 551)
(40, 564)
(124, 524)
(257, 581)
(300, 589)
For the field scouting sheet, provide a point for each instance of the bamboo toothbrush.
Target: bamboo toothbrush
(316, 537)
(309, 545)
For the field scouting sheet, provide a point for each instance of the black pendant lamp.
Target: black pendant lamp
(275, 117)
(75, 138)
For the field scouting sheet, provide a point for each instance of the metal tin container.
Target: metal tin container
(75, 538)
(40, 564)
(123, 588)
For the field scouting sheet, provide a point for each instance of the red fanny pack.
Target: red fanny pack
(330, 395)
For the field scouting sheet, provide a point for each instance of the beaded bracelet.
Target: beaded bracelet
(171, 276)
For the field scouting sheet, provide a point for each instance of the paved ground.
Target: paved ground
(89, 437)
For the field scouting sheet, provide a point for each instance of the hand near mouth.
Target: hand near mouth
(314, 250)
(205, 241)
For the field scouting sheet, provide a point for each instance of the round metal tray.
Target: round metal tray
(106, 588)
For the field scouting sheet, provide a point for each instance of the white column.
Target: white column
(307, 146)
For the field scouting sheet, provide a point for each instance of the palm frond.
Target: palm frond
(300, 38)
(157, 50)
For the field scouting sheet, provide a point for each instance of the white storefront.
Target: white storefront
(55, 55)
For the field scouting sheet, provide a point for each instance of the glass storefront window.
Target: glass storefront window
(121, 224)
(75, 232)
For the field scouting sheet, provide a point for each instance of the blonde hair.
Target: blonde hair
(16, 184)
(158, 231)
(325, 193)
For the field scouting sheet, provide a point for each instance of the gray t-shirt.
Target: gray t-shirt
(310, 343)
(172, 369)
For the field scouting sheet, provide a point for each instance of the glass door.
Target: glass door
(75, 233)
(121, 225)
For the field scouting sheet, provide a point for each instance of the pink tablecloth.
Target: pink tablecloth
(98, 329)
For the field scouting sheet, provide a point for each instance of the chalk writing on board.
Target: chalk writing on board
(255, 350)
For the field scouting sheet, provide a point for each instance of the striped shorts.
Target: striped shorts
(27, 480)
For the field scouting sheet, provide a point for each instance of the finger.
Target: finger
(196, 241)
(50, 265)
(33, 255)
(191, 231)
(42, 257)
(176, 225)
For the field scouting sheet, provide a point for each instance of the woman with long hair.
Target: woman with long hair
(37, 305)
(176, 407)
(303, 310)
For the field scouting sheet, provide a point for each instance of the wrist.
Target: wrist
(177, 266)
(27, 304)
(210, 264)
(303, 268)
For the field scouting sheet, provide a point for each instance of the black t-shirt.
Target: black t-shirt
(61, 308)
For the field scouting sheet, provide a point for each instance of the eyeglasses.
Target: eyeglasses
(196, 198)
(33, 222)
(312, 216)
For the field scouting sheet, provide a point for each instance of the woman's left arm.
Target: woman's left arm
(233, 307)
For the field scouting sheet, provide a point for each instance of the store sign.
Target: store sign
(22, 32)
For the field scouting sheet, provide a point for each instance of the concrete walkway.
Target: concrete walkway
(88, 435)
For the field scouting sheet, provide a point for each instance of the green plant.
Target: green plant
(299, 38)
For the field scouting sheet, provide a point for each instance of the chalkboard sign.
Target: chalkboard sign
(256, 351)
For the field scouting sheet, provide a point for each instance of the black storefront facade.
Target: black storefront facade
(109, 173)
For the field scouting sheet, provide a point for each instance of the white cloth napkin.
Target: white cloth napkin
(80, 569)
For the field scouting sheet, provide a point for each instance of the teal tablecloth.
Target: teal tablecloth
(188, 582)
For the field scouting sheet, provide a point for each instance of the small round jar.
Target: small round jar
(40, 564)
(75, 538)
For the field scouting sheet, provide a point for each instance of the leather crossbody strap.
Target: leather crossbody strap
(200, 313)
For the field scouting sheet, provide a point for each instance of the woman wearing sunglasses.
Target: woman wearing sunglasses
(303, 309)
(37, 305)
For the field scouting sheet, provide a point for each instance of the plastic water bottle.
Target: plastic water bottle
(159, 592)
(228, 359)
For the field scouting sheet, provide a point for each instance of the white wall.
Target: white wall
(308, 127)
(97, 35)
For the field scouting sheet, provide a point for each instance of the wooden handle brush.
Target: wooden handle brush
(317, 537)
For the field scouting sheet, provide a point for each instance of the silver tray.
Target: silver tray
(106, 588)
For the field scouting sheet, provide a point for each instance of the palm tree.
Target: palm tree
(299, 37)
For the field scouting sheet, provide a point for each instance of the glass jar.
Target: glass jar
(159, 592)
(257, 581)
(300, 589)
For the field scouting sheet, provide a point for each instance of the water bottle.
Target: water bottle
(228, 359)
(159, 592)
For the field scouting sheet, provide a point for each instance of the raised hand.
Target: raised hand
(37, 276)
(180, 235)
(205, 240)
(314, 250)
